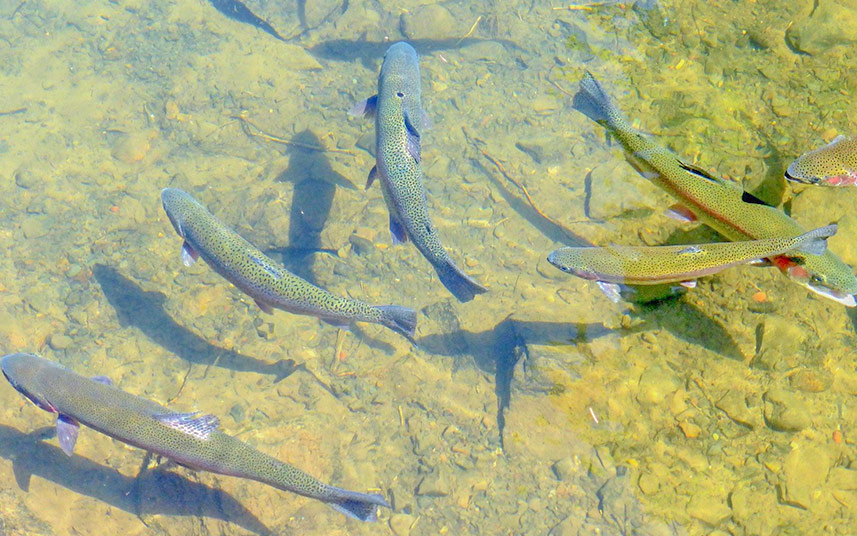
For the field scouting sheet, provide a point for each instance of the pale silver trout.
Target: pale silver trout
(190, 439)
(267, 282)
(653, 265)
(399, 125)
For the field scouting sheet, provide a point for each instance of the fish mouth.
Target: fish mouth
(838, 296)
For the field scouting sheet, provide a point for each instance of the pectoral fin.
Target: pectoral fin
(67, 430)
(373, 174)
(412, 137)
(189, 255)
(366, 108)
(102, 379)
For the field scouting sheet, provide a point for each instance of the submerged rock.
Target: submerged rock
(785, 411)
(804, 471)
(824, 25)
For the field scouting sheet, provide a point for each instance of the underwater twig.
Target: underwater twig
(181, 387)
(13, 112)
(470, 31)
(254, 131)
(477, 143)
(581, 7)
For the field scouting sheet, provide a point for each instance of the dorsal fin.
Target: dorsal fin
(199, 426)
(699, 172)
(747, 197)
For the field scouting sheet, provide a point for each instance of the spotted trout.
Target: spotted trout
(189, 439)
(721, 204)
(268, 283)
(399, 125)
(834, 164)
(653, 265)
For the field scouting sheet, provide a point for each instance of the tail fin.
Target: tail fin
(402, 320)
(815, 242)
(592, 101)
(362, 506)
(462, 286)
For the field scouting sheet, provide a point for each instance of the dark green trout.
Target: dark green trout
(188, 439)
(270, 284)
(721, 204)
(399, 125)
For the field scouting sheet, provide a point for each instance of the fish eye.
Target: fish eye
(400, 94)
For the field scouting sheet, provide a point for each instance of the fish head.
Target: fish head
(399, 85)
(567, 260)
(830, 165)
(22, 372)
(171, 199)
(824, 274)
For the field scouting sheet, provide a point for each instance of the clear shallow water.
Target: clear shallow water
(106, 104)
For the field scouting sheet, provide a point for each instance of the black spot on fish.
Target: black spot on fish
(400, 94)
(235, 10)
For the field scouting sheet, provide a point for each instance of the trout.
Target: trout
(189, 439)
(721, 204)
(643, 265)
(834, 164)
(399, 126)
(268, 283)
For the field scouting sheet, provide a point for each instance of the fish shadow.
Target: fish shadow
(315, 185)
(155, 492)
(687, 322)
(370, 53)
(497, 351)
(145, 311)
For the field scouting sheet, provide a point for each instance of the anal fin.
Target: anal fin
(397, 231)
(189, 255)
(264, 306)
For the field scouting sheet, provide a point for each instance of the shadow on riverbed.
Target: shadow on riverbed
(156, 492)
(145, 311)
(499, 350)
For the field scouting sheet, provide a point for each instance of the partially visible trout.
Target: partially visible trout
(399, 124)
(270, 284)
(644, 265)
(835, 164)
(189, 439)
(721, 204)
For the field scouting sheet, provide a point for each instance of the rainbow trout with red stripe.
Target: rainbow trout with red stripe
(189, 439)
(399, 125)
(721, 204)
(271, 285)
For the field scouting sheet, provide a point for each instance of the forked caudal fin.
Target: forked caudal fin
(815, 241)
(362, 506)
(592, 101)
(462, 286)
(402, 320)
